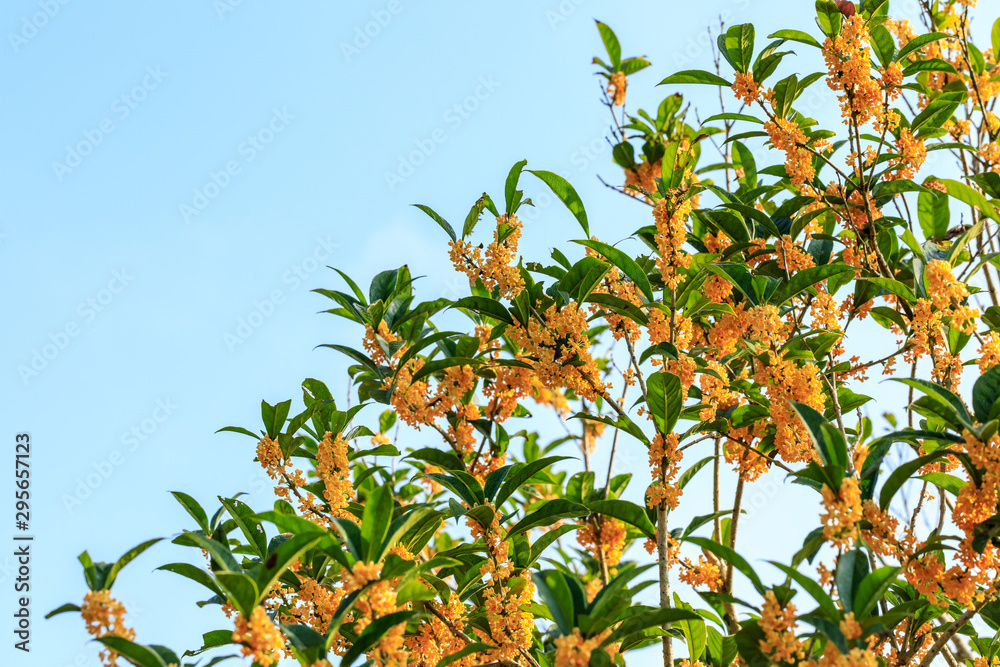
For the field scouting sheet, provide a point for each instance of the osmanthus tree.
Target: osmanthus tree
(731, 330)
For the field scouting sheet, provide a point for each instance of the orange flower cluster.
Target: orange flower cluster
(416, 403)
(314, 605)
(377, 599)
(842, 512)
(618, 285)
(977, 503)
(334, 469)
(288, 477)
(643, 176)
(259, 637)
(559, 350)
(574, 650)
(786, 136)
(617, 83)
(497, 271)
(927, 335)
(989, 351)
(105, 617)
(371, 343)
(505, 596)
(704, 573)
(745, 88)
(604, 537)
(778, 623)
(671, 234)
(911, 154)
(882, 536)
(849, 72)
(791, 256)
(783, 380)
(435, 640)
(665, 461)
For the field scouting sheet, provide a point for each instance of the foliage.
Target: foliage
(733, 325)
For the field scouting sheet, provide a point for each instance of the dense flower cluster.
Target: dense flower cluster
(496, 269)
(259, 637)
(105, 617)
(333, 468)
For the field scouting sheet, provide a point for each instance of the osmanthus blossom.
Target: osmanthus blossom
(729, 335)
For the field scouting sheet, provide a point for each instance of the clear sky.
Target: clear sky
(177, 176)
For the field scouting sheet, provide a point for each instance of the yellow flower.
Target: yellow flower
(259, 636)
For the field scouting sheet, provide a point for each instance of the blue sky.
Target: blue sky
(178, 176)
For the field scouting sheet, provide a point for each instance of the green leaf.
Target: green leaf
(219, 552)
(948, 400)
(917, 43)
(832, 450)
(472, 219)
(852, 567)
(567, 195)
(510, 188)
(469, 649)
(626, 264)
(665, 400)
(807, 278)
(825, 602)
(611, 44)
(373, 633)
(438, 219)
(274, 417)
(985, 393)
(375, 520)
(438, 365)
(730, 556)
(583, 278)
(62, 610)
(194, 574)
(747, 164)
(241, 590)
(871, 590)
(546, 540)
(933, 214)
(248, 523)
(556, 594)
(944, 481)
(193, 508)
(127, 558)
(696, 76)
(547, 514)
(974, 198)
(649, 619)
(485, 306)
(795, 36)
(883, 45)
(287, 553)
(522, 474)
(626, 511)
(739, 45)
(137, 654)
(902, 473)
(995, 36)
